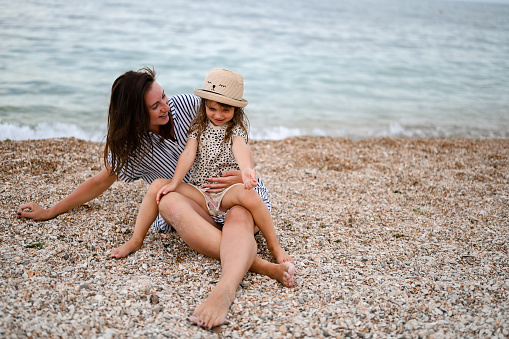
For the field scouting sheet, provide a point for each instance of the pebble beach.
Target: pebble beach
(392, 238)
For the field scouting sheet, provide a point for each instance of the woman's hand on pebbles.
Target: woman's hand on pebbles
(33, 211)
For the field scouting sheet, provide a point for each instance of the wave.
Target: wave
(10, 131)
(393, 129)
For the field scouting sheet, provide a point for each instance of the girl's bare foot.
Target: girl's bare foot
(281, 256)
(285, 272)
(212, 312)
(126, 249)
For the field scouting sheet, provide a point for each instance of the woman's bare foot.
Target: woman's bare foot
(284, 274)
(281, 256)
(126, 249)
(212, 312)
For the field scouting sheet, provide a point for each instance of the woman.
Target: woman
(146, 134)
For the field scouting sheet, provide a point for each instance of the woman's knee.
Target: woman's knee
(240, 216)
(170, 201)
(169, 207)
(175, 207)
(239, 221)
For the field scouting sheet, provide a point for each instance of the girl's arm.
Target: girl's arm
(184, 164)
(244, 159)
(88, 190)
(185, 161)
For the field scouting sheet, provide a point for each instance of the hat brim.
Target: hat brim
(220, 98)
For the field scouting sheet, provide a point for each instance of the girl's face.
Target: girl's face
(218, 114)
(157, 106)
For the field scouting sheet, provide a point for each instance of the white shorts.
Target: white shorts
(213, 200)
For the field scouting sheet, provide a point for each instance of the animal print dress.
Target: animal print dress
(213, 156)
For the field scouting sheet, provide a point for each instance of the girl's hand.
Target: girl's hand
(249, 178)
(227, 178)
(165, 190)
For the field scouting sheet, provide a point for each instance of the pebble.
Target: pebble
(429, 261)
(154, 299)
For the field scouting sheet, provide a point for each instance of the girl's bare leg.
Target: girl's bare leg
(251, 200)
(146, 215)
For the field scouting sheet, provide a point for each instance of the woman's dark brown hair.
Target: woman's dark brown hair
(128, 137)
(201, 120)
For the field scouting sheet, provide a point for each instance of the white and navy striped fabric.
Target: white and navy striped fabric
(161, 162)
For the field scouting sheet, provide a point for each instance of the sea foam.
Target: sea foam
(10, 131)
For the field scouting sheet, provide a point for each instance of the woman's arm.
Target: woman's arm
(226, 179)
(88, 190)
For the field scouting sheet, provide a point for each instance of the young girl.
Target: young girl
(217, 142)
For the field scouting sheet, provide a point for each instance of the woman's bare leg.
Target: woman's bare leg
(146, 216)
(235, 246)
(237, 252)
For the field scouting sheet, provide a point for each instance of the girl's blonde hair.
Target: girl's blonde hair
(201, 120)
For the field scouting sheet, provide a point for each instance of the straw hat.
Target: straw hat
(223, 86)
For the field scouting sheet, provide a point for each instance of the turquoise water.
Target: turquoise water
(349, 68)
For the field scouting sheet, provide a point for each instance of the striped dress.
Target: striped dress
(162, 160)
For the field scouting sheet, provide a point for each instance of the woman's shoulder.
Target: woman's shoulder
(184, 107)
(185, 100)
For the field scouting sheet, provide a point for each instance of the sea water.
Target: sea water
(352, 68)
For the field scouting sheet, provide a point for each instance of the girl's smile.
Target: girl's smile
(217, 114)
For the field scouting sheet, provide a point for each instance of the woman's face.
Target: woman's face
(157, 106)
